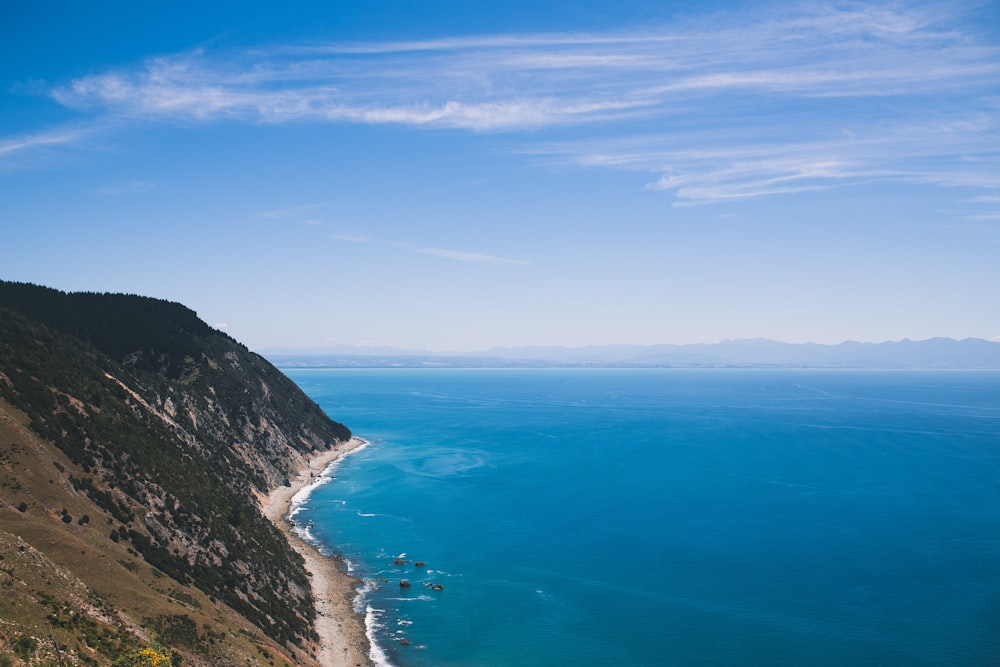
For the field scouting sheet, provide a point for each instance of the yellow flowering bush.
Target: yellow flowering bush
(144, 657)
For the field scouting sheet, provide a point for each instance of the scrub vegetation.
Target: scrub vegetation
(135, 440)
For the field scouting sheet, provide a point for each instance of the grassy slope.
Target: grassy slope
(163, 459)
(63, 584)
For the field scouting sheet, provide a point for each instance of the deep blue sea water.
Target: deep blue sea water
(670, 517)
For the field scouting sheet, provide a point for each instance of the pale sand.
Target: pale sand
(343, 642)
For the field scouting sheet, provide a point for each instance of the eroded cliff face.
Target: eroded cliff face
(236, 410)
(170, 430)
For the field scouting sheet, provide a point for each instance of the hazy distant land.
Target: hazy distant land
(933, 353)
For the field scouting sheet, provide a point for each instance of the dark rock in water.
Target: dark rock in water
(420, 563)
(399, 561)
(404, 583)
(437, 587)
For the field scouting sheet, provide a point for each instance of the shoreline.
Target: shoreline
(343, 641)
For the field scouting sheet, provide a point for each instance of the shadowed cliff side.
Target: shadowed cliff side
(134, 414)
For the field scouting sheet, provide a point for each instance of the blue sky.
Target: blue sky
(450, 176)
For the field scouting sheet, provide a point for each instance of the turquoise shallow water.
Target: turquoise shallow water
(648, 517)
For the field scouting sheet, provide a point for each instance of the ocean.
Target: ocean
(668, 517)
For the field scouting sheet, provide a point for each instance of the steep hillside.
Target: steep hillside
(134, 439)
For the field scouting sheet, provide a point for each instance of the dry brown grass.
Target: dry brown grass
(62, 582)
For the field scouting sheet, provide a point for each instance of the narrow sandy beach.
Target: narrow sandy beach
(343, 642)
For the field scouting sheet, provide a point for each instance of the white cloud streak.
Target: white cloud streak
(742, 106)
(528, 81)
(444, 253)
(461, 256)
(351, 238)
(28, 143)
(132, 187)
(290, 213)
(733, 162)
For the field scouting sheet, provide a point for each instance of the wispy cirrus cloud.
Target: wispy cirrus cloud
(512, 82)
(432, 251)
(130, 187)
(14, 147)
(801, 96)
(308, 214)
(352, 238)
(462, 256)
(295, 212)
(738, 162)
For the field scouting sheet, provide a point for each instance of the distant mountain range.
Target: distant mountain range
(934, 353)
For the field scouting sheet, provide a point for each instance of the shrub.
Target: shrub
(24, 646)
(145, 657)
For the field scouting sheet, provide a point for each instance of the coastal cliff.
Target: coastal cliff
(136, 442)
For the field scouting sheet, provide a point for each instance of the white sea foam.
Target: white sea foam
(442, 573)
(418, 598)
(375, 653)
(372, 624)
(302, 496)
(303, 531)
(361, 599)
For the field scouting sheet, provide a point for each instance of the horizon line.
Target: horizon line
(393, 350)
